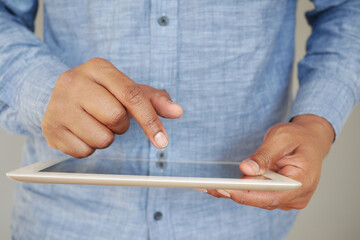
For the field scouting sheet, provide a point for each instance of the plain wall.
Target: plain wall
(333, 212)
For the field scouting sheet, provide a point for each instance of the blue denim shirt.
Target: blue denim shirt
(227, 63)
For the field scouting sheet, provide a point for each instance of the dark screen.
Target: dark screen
(149, 167)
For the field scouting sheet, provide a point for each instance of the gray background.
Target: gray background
(333, 212)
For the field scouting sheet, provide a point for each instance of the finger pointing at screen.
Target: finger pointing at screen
(78, 124)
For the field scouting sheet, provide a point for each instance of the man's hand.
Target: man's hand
(295, 150)
(92, 102)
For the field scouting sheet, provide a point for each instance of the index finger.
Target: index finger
(132, 98)
(263, 199)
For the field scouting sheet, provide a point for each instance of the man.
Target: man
(226, 65)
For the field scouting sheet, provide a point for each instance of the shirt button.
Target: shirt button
(158, 216)
(161, 163)
(163, 21)
(161, 155)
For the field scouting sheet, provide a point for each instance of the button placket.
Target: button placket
(163, 75)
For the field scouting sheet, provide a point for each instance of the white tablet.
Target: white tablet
(174, 174)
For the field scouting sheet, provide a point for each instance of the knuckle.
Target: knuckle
(150, 122)
(281, 131)
(134, 95)
(68, 78)
(77, 152)
(98, 61)
(117, 117)
(98, 64)
(85, 152)
(263, 157)
(124, 127)
(105, 140)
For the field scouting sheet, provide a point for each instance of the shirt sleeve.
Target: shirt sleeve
(28, 69)
(329, 74)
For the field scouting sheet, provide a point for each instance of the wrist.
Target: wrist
(318, 124)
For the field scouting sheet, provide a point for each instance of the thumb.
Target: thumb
(273, 148)
(163, 104)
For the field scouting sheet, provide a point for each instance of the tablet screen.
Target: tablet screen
(141, 167)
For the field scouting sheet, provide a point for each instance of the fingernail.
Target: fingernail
(224, 193)
(201, 190)
(254, 166)
(161, 140)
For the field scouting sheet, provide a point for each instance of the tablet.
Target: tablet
(146, 173)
